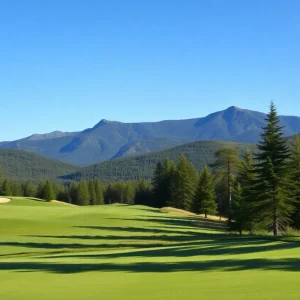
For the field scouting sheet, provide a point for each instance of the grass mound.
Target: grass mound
(61, 203)
(29, 201)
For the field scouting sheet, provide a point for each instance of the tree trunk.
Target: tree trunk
(206, 215)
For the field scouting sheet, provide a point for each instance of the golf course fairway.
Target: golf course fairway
(118, 252)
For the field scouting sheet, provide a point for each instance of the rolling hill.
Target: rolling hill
(23, 166)
(142, 166)
(111, 139)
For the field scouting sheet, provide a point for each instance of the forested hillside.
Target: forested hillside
(142, 166)
(25, 166)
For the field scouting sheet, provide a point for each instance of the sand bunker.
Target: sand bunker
(4, 200)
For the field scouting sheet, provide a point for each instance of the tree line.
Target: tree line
(91, 192)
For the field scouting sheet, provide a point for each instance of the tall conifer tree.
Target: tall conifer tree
(92, 193)
(185, 184)
(273, 203)
(83, 195)
(242, 211)
(48, 191)
(6, 188)
(205, 199)
(99, 193)
(157, 183)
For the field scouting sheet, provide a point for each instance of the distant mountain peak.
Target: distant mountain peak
(109, 139)
(50, 135)
(234, 108)
(104, 121)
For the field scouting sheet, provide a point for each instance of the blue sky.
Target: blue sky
(65, 65)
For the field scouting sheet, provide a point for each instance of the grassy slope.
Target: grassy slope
(52, 251)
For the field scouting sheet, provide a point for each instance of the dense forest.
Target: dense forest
(258, 190)
(139, 167)
(26, 166)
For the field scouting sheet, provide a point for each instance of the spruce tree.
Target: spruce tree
(167, 183)
(205, 198)
(92, 193)
(242, 212)
(158, 185)
(185, 184)
(28, 189)
(129, 193)
(40, 190)
(83, 195)
(273, 203)
(16, 189)
(6, 188)
(143, 195)
(63, 194)
(48, 191)
(73, 192)
(295, 181)
(99, 193)
(170, 175)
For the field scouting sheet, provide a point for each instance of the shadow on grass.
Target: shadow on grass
(289, 264)
(205, 248)
(37, 245)
(188, 242)
(182, 222)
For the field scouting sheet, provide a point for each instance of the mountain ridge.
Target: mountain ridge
(110, 139)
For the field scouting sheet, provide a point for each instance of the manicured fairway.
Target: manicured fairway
(56, 251)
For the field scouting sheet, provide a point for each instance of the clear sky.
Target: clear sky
(67, 64)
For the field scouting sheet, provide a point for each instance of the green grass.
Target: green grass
(54, 251)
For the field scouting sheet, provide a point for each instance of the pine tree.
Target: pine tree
(273, 204)
(73, 192)
(6, 188)
(83, 195)
(109, 194)
(205, 198)
(129, 193)
(170, 176)
(295, 181)
(40, 190)
(158, 185)
(185, 184)
(242, 212)
(28, 189)
(166, 183)
(16, 189)
(99, 193)
(143, 195)
(63, 194)
(227, 161)
(92, 193)
(48, 191)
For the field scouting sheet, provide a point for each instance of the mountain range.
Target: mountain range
(111, 139)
